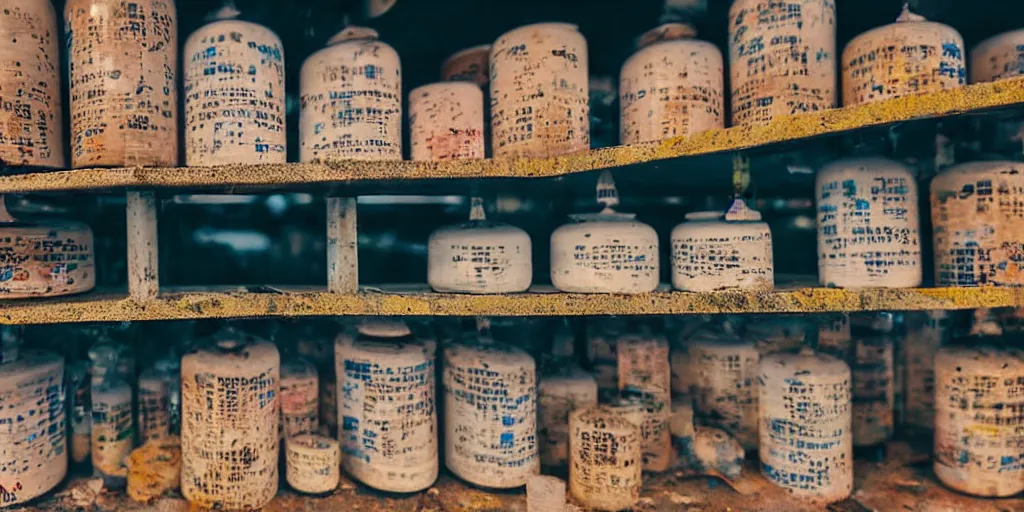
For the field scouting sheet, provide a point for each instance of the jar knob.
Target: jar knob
(476, 209)
(607, 194)
(907, 16)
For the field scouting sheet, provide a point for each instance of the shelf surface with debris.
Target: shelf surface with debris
(795, 296)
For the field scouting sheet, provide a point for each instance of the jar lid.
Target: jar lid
(907, 16)
(705, 215)
(384, 328)
(666, 32)
(353, 33)
(227, 12)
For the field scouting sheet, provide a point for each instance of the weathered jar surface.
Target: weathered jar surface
(868, 224)
(644, 374)
(468, 65)
(539, 92)
(673, 86)
(122, 66)
(978, 225)
(46, 259)
(718, 250)
(927, 331)
(351, 100)
(153, 411)
(911, 56)
(112, 430)
(726, 390)
(605, 466)
(300, 410)
(782, 58)
(31, 121)
(234, 94)
(312, 463)
(873, 377)
(558, 395)
(446, 121)
(998, 57)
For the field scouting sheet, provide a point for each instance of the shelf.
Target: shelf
(971, 99)
(241, 302)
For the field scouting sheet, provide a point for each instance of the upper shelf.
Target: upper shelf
(971, 99)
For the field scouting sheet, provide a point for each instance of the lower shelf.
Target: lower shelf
(795, 296)
(904, 482)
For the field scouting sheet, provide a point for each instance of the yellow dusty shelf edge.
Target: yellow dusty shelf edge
(232, 304)
(976, 97)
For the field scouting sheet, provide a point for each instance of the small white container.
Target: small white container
(300, 410)
(605, 468)
(312, 463)
(998, 57)
(722, 250)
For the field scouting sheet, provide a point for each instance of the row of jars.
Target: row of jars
(123, 90)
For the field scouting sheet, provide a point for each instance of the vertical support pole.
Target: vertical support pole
(143, 270)
(342, 246)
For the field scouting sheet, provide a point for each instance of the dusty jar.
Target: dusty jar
(998, 57)
(446, 121)
(605, 469)
(711, 251)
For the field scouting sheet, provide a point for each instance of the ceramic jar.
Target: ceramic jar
(300, 411)
(998, 57)
(977, 420)
(978, 225)
(31, 121)
(112, 429)
(911, 56)
(673, 86)
(230, 411)
(927, 331)
(468, 65)
(122, 66)
(716, 251)
(873, 378)
(45, 259)
(605, 470)
(782, 59)
(234, 94)
(387, 417)
(606, 252)
(559, 394)
(312, 463)
(479, 256)
(490, 414)
(153, 414)
(868, 224)
(446, 121)
(33, 440)
(351, 100)
(726, 390)
(539, 92)
(806, 449)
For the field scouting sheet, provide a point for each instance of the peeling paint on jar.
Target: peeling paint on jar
(112, 430)
(153, 416)
(722, 250)
(386, 407)
(978, 224)
(998, 57)
(479, 256)
(726, 391)
(605, 461)
(79, 411)
(606, 252)
(234, 93)
(926, 333)
(446, 121)
(868, 224)
(490, 414)
(300, 412)
(33, 442)
(539, 92)
(673, 86)
(806, 444)
(122, 62)
(782, 58)
(351, 100)
(911, 56)
(468, 65)
(312, 463)
(230, 416)
(31, 124)
(873, 378)
(558, 395)
(978, 431)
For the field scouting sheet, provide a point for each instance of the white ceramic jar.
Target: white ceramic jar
(605, 469)
(539, 91)
(911, 56)
(868, 224)
(673, 86)
(312, 463)
(122, 81)
(722, 250)
(112, 429)
(300, 410)
(479, 256)
(446, 121)
(31, 122)
(977, 224)
(998, 57)
(782, 59)
(644, 373)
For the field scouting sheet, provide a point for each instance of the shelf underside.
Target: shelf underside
(261, 301)
(391, 174)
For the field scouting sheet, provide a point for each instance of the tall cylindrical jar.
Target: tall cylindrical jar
(234, 93)
(153, 416)
(911, 56)
(978, 426)
(33, 440)
(300, 412)
(539, 91)
(468, 65)
(113, 432)
(721, 250)
(873, 377)
(926, 333)
(726, 392)
(122, 78)
(644, 373)
(978, 224)
(782, 58)
(868, 224)
(490, 414)
(673, 86)
(806, 446)
(998, 57)
(31, 122)
(230, 413)
(605, 469)
(351, 100)
(558, 395)
(387, 420)
(446, 121)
